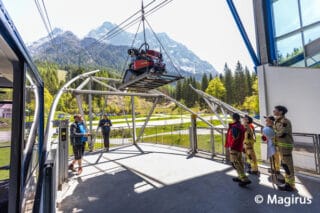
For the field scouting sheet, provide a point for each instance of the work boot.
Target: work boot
(286, 187)
(71, 167)
(244, 182)
(273, 171)
(254, 173)
(236, 179)
(79, 170)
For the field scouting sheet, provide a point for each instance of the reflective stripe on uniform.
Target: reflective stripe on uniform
(286, 145)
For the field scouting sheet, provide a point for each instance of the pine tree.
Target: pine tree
(228, 84)
(240, 85)
(210, 77)
(249, 80)
(204, 82)
(178, 95)
(204, 86)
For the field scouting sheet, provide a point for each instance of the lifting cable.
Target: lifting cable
(155, 35)
(134, 39)
(136, 20)
(118, 29)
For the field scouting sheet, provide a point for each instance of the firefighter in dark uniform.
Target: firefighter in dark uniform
(284, 142)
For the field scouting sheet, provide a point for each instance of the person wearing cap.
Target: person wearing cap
(284, 141)
(268, 136)
(249, 140)
(105, 125)
(234, 142)
(78, 137)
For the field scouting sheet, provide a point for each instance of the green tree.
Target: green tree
(216, 88)
(49, 75)
(47, 100)
(251, 103)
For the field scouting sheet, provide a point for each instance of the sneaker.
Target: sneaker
(71, 167)
(286, 187)
(236, 179)
(79, 170)
(244, 182)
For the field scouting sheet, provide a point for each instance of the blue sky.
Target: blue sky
(205, 26)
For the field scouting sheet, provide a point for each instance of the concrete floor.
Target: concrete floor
(157, 178)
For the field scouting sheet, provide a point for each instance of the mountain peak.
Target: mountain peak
(112, 51)
(108, 25)
(56, 31)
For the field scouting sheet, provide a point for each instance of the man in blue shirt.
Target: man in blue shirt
(78, 137)
(105, 125)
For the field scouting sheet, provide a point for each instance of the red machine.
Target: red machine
(149, 60)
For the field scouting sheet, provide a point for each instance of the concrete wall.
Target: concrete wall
(296, 88)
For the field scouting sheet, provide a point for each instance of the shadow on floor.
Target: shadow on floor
(215, 192)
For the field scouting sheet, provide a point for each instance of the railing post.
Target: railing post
(213, 151)
(63, 153)
(133, 120)
(317, 154)
(49, 185)
(193, 135)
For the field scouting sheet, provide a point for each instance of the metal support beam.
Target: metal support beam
(83, 84)
(108, 79)
(90, 113)
(270, 31)
(17, 136)
(260, 28)
(104, 84)
(112, 93)
(213, 150)
(243, 33)
(48, 132)
(214, 110)
(182, 106)
(147, 119)
(133, 120)
(223, 106)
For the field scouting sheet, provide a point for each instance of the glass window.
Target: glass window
(311, 34)
(31, 138)
(314, 61)
(289, 47)
(286, 16)
(5, 132)
(310, 11)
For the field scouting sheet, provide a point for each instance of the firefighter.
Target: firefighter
(284, 143)
(249, 140)
(234, 142)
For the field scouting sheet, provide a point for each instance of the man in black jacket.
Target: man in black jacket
(105, 125)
